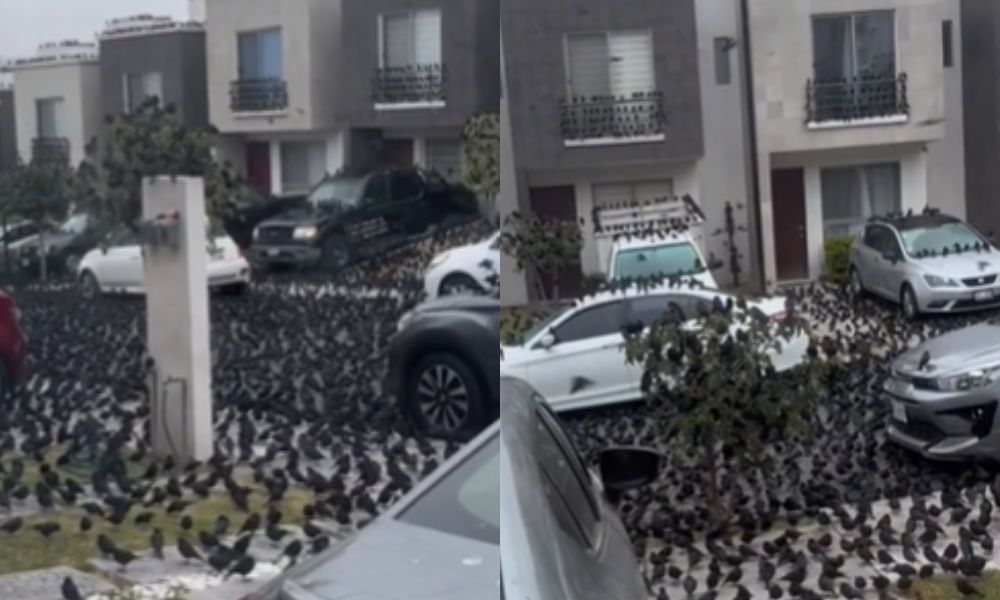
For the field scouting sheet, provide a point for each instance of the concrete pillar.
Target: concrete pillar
(177, 322)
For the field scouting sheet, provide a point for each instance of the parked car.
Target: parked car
(251, 209)
(562, 539)
(13, 347)
(117, 266)
(346, 217)
(575, 357)
(929, 263)
(443, 365)
(64, 247)
(467, 269)
(675, 256)
(943, 395)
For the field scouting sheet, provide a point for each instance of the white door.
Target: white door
(587, 365)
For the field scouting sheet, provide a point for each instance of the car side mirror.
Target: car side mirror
(627, 468)
(104, 246)
(547, 341)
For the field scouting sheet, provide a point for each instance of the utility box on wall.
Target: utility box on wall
(177, 319)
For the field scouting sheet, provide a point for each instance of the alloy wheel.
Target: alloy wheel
(443, 398)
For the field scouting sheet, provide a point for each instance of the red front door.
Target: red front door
(788, 193)
(559, 203)
(258, 155)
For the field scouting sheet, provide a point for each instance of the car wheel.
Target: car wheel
(72, 263)
(911, 310)
(856, 286)
(445, 398)
(459, 283)
(89, 287)
(336, 254)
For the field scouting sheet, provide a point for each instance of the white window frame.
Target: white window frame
(126, 94)
(411, 13)
(607, 34)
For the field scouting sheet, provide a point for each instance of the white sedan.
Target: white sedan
(575, 357)
(117, 267)
(466, 269)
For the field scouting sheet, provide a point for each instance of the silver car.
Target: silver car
(943, 395)
(519, 486)
(927, 263)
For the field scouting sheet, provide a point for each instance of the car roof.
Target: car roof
(672, 238)
(910, 222)
(686, 286)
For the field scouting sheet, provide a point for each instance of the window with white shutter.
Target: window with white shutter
(611, 86)
(51, 117)
(410, 64)
(445, 157)
(303, 164)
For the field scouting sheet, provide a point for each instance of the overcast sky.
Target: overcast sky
(24, 24)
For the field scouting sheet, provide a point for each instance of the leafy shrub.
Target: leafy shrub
(837, 259)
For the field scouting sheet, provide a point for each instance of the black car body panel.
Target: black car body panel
(465, 326)
(59, 245)
(251, 210)
(366, 212)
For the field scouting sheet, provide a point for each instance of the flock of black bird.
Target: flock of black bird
(838, 511)
(297, 369)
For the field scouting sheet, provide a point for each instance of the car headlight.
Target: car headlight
(404, 320)
(305, 233)
(256, 233)
(967, 381)
(439, 259)
(936, 281)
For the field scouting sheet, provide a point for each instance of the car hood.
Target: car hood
(970, 264)
(54, 241)
(961, 350)
(459, 302)
(392, 559)
(299, 216)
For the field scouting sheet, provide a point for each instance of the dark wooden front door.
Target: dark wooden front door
(397, 153)
(788, 193)
(259, 167)
(559, 203)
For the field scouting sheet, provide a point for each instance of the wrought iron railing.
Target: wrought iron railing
(856, 98)
(410, 84)
(600, 117)
(50, 150)
(258, 95)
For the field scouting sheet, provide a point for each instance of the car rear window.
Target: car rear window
(338, 192)
(658, 261)
(466, 501)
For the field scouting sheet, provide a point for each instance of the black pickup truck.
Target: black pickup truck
(347, 217)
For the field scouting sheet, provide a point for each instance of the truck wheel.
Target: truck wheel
(336, 254)
(445, 399)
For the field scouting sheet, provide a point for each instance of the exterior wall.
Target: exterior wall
(981, 68)
(79, 84)
(470, 52)
(783, 63)
(178, 56)
(534, 35)
(227, 18)
(8, 131)
(929, 145)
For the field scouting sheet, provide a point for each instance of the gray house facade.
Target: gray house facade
(152, 57)
(8, 130)
(981, 97)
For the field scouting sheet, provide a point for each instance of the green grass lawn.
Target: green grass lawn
(27, 550)
(943, 588)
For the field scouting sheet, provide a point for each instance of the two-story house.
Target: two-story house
(631, 101)
(146, 56)
(858, 113)
(414, 72)
(58, 102)
(311, 86)
(273, 73)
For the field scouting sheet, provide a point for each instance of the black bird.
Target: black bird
(47, 528)
(12, 525)
(275, 533)
(252, 523)
(69, 590)
(156, 541)
(186, 550)
(292, 551)
(105, 545)
(243, 567)
(123, 557)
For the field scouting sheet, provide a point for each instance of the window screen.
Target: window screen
(853, 194)
(411, 38)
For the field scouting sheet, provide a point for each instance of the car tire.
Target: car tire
(445, 398)
(89, 286)
(857, 287)
(335, 254)
(459, 283)
(908, 300)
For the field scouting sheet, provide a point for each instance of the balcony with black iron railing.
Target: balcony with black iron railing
(258, 95)
(859, 100)
(602, 120)
(411, 86)
(50, 150)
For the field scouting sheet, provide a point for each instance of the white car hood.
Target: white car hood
(512, 357)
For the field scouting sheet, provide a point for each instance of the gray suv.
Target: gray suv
(928, 263)
(943, 395)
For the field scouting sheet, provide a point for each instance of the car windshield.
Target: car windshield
(934, 239)
(337, 192)
(75, 224)
(466, 501)
(543, 323)
(664, 261)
